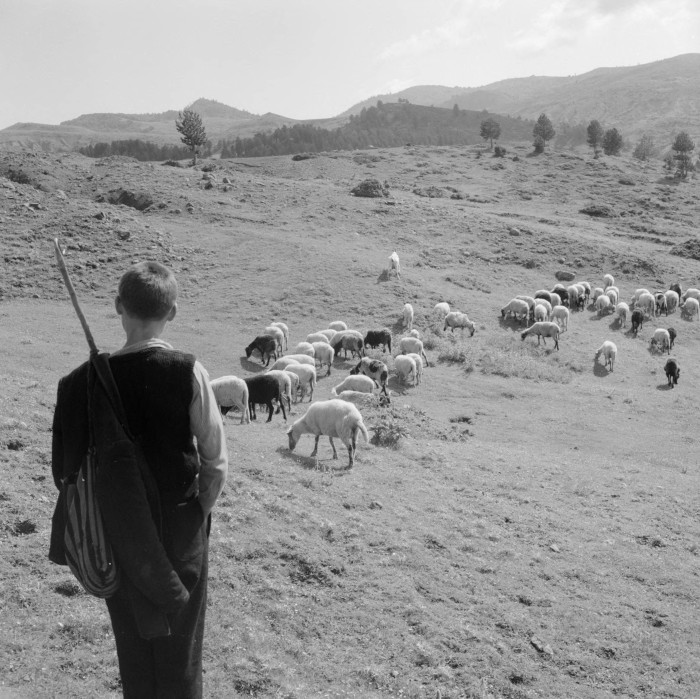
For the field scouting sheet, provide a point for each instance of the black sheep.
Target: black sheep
(374, 338)
(637, 320)
(266, 345)
(262, 390)
(673, 371)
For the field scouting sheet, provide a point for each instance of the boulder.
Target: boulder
(565, 276)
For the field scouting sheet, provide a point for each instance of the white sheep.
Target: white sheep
(547, 305)
(518, 308)
(609, 351)
(554, 299)
(307, 379)
(394, 264)
(318, 337)
(304, 348)
(672, 300)
(231, 391)
(323, 354)
(560, 315)
(288, 384)
(455, 319)
(277, 333)
(608, 280)
(406, 366)
(540, 313)
(419, 365)
(691, 308)
(333, 418)
(543, 330)
(414, 333)
(691, 294)
(285, 331)
(603, 304)
(636, 295)
(284, 362)
(661, 338)
(408, 316)
(622, 310)
(613, 295)
(330, 333)
(529, 299)
(412, 344)
(647, 304)
(586, 288)
(338, 325)
(364, 399)
(354, 382)
(441, 310)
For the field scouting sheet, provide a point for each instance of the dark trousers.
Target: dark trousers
(167, 667)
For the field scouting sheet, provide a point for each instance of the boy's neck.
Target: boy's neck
(134, 335)
(141, 330)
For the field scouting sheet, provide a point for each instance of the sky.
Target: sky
(308, 59)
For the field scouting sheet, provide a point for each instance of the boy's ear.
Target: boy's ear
(118, 305)
(173, 312)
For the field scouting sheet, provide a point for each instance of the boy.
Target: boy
(171, 411)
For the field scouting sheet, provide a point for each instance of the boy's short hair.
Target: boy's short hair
(148, 290)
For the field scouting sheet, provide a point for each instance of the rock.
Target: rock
(60, 194)
(99, 215)
(541, 647)
(513, 231)
(226, 180)
(370, 188)
(599, 211)
(565, 276)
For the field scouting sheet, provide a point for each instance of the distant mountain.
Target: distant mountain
(660, 98)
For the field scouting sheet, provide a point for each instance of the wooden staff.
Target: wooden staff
(73, 297)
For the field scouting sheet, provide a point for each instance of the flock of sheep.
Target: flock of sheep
(549, 312)
(294, 376)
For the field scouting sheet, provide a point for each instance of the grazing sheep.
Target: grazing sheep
(560, 315)
(318, 337)
(636, 295)
(278, 334)
(673, 371)
(597, 292)
(609, 351)
(563, 294)
(690, 308)
(691, 294)
(408, 316)
(603, 305)
(354, 383)
(288, 385)
(661, 305)
(348, 341)
(284, 362)
(543, 294)
(677, 288)
(547, 305)
(266, 345)
(412, 344)
(285, 332)
(455, 319)
(337, 325)
(543, 330)
(518, 308)
(333, 418)
(304, 348)
(364, 399)
(574, 297)
(374, 338)
(419, 365)
(672, 335)
(376, 370)
(441, 310)
(330, 333)
(613, 295)
(622, 310)
(231, 391)
(262, 390)
(637, 320)
(540, 313)
(608, 280)
(307, 379)
(647, 304)
(414, 333)
(405, 366)
(555, 298)
(394, 264)
(672, 301)
(586, 288)
(323, 354)
(661, 339)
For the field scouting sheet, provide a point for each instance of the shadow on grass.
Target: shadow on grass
(327, 464)
(512, 324)
(664, 386)
(253, 367)
(599, 370)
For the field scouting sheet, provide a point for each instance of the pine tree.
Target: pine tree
(189, 124)
(490, 130)
(645, 149)
(595, 136)
(543, 132)
(612, 142)
(683, 146)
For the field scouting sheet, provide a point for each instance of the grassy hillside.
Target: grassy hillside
(524, 523)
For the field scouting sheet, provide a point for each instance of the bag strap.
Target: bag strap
(100, 362)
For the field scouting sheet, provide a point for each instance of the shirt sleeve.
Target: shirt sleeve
(208, 429)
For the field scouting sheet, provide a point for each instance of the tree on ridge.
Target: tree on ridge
(189, 124)
(490, 130)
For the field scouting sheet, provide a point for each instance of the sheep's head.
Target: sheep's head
(248, 351)
(356, 369)
(293, 439)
